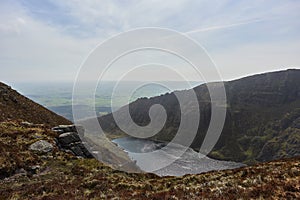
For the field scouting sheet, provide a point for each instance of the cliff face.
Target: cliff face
(15, 106)
(259, 110)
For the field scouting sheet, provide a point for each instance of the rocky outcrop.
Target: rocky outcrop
(69, 140)
(69, 128)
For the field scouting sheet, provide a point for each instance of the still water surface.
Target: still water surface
(188, 163)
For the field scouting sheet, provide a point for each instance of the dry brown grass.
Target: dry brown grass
(63, 176)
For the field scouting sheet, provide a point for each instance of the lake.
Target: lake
(190, 162)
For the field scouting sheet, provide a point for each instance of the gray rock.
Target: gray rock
(34, 169)
(69, 140)
(41, 146)
(77, 151)
(66, 139)
(27, 124)
(85, 152)
(63, 128)
(21, 171)
(69, 128)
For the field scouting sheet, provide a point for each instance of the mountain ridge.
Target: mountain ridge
(255, 105)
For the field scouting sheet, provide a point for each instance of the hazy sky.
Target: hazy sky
(48, 40)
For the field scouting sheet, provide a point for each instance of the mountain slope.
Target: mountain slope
(15, 106)
(60, 175)
(261, 109)
(27, 173)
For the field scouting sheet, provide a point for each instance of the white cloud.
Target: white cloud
(255, 58)
(52, 48)
(32, 50)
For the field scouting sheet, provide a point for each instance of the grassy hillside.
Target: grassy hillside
(25, 174)
(15, 106)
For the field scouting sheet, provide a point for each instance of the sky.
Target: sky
(49, 40)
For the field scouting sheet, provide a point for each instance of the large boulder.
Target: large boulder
(68, 138)
(41, 146)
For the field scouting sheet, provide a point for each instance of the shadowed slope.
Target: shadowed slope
(259, 108)
(15, 106)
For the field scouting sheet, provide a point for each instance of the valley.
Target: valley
(257, 155)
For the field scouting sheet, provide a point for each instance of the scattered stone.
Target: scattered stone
(31, 125)
(41, 146)
(21, 171)
(95, 152)
(26, 124)
(34, 169)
